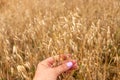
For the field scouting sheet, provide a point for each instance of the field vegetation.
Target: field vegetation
(32, 30)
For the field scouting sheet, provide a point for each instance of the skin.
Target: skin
(46, 70)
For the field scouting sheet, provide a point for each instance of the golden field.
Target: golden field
(32, 30)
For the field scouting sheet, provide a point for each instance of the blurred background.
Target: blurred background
(32, 30)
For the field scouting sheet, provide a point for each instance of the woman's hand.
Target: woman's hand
(46, 70)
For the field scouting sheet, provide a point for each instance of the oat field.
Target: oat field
(32, 30)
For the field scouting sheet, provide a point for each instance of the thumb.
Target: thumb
(64, 67)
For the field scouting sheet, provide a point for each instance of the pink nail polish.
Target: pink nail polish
(69, 64)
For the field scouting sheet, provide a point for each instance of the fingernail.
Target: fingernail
(69, 64)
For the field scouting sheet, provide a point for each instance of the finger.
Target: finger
(49, 61)
(75, 67)
(64, 67)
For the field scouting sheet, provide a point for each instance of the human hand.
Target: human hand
(46, 70)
